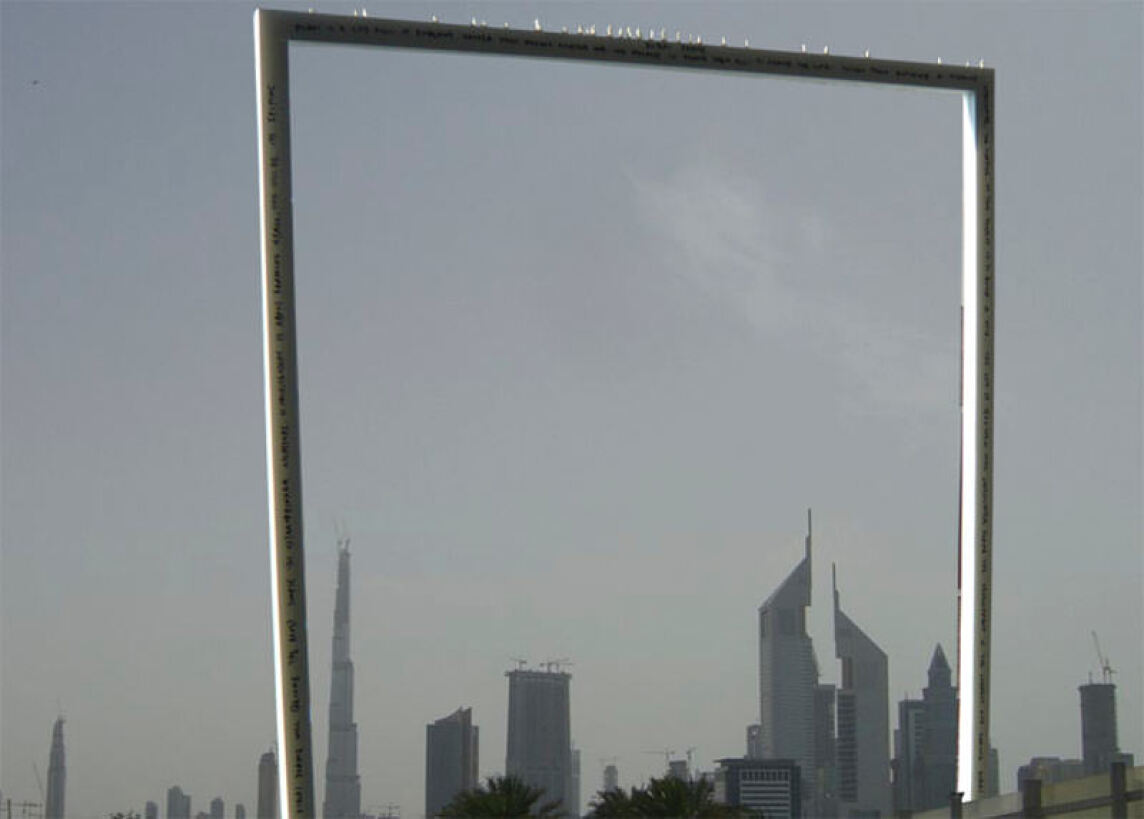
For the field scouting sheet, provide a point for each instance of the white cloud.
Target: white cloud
(763, 260)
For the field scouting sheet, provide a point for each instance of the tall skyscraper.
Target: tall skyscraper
(151, 810)
(863, 719)
(267, 786)
(178, 803)
(451, 759)
(788, 672)
(1098, 726)
(343, 787)
(539, 746)
(218, 808)
(57, 774)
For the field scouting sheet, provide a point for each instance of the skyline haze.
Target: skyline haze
(578, 347)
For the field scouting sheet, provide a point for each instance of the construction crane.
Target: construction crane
(689, 752)
(667, 754)
(1106, 669)
(342, 534)
(550, 665)
(39, 782)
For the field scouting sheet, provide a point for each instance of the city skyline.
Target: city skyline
(574, 418)
(860, 778)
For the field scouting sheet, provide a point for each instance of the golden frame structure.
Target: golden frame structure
(275, 30)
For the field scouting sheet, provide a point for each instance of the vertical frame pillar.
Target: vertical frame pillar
(283, 463)
(975, 546)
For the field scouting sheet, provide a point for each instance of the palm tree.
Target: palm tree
(501, 796)
(613, 804)
(666, 797)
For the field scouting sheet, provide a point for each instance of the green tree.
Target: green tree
(501, 796)
(666, 797)
(612, 804)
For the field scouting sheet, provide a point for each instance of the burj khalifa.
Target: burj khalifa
(343, 786)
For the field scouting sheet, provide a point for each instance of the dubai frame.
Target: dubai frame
(273, 33)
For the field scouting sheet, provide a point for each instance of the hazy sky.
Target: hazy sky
(579, 346)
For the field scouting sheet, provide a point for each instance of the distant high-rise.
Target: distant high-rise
(267, 786)
(1050, 770)
(940, 698)
(863, 719)
(611, 778)
(57, 774)
(151, 810)
(451, 759)
(539, 745)
(788, 673)
(993, 773)
(908, 764)
(239, 811)
(925, 742)
(765, 787)
(218, 808)
(178, 803)
(343, 787)
(1098, 726)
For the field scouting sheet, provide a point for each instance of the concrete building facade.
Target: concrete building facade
(539, 741)
(764, 787)
(1099, 744)
(451, 759)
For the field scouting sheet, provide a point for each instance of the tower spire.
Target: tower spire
(834, 583)
(343, 786)
(808, 532)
